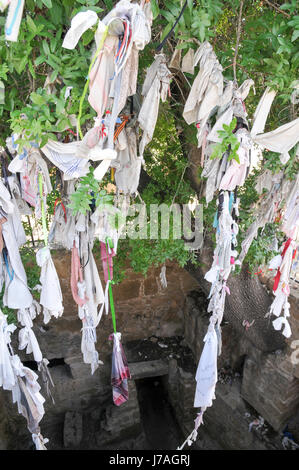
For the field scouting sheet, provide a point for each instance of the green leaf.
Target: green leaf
(48, 3)
(155, 8)
(37, 99)
(53, 76)
(31, 24)
(46, 47)
(295, 35)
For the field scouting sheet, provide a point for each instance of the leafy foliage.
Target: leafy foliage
(268, 53)
(229, 142)
(88, 193)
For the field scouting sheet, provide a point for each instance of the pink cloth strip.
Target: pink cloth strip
(107, 256)
(76, 275)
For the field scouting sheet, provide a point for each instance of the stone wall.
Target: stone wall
(143, 309)
(162, 332)
(252, 382)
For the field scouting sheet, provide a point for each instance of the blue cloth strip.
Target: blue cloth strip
(10, 275)
(8, 30)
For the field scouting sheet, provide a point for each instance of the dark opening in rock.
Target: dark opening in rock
(31, 365)
(57, 362)
(52, 363)
(157, 417)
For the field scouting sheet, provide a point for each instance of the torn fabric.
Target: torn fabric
(281, 140)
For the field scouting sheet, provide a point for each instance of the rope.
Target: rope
(161, 45)
(108, 240)
(120, 127)
(44, 223)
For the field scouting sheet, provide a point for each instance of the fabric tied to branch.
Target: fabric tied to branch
(76, 277)
(120, 372)
(51, 295)
(206, 374)
(107, 259)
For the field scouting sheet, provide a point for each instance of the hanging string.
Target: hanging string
(44, 223)
(104, 35)
(109, 242)
(161, 45)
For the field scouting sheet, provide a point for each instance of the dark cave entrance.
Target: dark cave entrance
(157, 415)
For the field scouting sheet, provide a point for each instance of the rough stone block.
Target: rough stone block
(127, 290)
(72, 429)
(270, 387)
(150, 286)
(140, 370)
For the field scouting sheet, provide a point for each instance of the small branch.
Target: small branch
(178, 186)
(238, 41)
(277, 9)
(178, 85)
(228, 66)
(31, 231)
(170, 45)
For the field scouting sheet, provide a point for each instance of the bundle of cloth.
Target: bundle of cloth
(127, 163)
(29, 164)
(284, 261)
(154, 89)
(86, 284)
(76, 233)
(282, 139)
(35, 186)
(64, 156)
(278, 189)
(119, 37)
(224, 261)
(112, 79)
(17, 295)
(206, 91)
(208, 98)
(109, 223)
(22, 382)
(222, 174)
(120, 372)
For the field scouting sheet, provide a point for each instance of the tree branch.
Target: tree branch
(238, 41)
(277, 9)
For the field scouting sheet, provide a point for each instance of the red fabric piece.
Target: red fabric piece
(278, 274)
(107, 256)
(58, 201)
(120, 374)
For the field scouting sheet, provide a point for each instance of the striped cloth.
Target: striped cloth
(120, 372)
